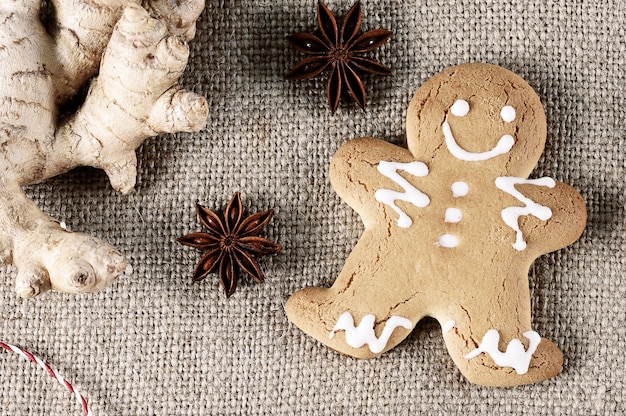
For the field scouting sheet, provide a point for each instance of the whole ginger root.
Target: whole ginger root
(131, 54)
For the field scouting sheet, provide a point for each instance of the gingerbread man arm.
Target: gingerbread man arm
(566, 223)
(358, 178)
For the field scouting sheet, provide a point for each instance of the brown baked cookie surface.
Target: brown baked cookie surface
(452, 226)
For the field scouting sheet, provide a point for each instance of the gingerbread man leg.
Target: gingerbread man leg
(491, 339)
(365, 312)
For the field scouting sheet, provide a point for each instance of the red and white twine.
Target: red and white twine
(81, 400)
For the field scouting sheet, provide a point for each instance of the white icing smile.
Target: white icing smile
(460, 108)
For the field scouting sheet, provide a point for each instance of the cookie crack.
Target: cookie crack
(348, 284)
(405, 301)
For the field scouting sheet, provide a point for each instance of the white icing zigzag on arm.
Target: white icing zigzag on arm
(411, 194)
(511, 215)
(363, 334)
(515, 356)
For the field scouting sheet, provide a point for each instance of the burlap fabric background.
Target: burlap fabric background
(154, 344)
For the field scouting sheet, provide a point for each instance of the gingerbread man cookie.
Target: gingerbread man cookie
(452, 226)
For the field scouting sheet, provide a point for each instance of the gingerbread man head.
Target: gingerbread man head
(487, 117)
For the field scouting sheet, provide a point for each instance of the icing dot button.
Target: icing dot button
(453, 215)
(459, 189)
(447, 241)
(507, 113)
(460, 108)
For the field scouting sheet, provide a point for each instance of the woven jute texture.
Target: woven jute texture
(155, 344)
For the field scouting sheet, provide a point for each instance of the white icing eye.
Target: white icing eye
(507, 113)
(460, 108)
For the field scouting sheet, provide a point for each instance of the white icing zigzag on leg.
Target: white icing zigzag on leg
(363, 334)
(515, 356)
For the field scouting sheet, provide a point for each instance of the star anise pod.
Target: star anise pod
(340, 50)
(231, 242)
